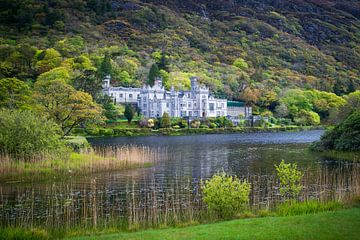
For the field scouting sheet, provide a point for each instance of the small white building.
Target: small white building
(154, 101)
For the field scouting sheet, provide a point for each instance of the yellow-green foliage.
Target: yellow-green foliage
(290, 208)
(226, 195)
(289, 179)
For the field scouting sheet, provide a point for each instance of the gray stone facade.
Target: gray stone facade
(154, 101)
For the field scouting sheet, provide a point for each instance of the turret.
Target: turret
(106, 81)
(158, 82)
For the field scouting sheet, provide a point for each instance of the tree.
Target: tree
(129, 112)
(154, 73)
(55, 73)
(13, 93)
(65, 105)
(241, 64)
(352, 104)
(165, 121)
(125, 78)
(88, 81)
(289, 179)
(250, 95)
(47, 60)
(344, 137)
(25, 135)
(304, 117)
(105, 67)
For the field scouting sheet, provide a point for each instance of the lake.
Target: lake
(171, 187)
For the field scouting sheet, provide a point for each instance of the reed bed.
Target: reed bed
(148, 201)
(94, 160)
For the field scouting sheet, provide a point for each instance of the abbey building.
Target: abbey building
(154, 101)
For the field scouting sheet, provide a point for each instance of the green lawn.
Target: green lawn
(343, 224)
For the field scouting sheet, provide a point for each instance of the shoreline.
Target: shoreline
(136, 132)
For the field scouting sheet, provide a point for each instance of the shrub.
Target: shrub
(344, 137)
(165, 121)
(225, 195)
(195, 124)
(24, 135)
(212, 125)
(77, 143)
(289, 178)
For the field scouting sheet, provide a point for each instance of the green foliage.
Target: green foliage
(77, 143)
(293, 208)
(240, 63)
(344, 137)
(129, 112)
(165, 121)
(47, 60)
(304, 118)
(154, 73)
(24, 234)
(64, 105)
(289, 180)
(226, 195)
(25, 135)
(105, 67)
(13, 93)
(56, 73)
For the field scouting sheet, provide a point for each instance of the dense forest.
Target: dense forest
(293, 58)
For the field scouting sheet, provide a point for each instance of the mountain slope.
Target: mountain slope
(282, 43)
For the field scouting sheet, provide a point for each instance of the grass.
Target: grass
(342, 224)
(292, 208)
(339, 155)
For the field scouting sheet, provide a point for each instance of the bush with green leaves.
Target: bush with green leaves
(343, 137)
(289, 180)
(226, 195)
(25, 135)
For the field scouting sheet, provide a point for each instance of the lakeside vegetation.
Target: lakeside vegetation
(178, 208)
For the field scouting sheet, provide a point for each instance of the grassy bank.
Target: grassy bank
(131, 131)
(72, 163)
(339, 155)
(343, 224)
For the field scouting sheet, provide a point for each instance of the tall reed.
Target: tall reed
(145, 199)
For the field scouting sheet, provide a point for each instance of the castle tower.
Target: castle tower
(106, 81)
(194, 84)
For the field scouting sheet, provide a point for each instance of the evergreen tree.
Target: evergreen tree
(165, 120)
(105, 67)
(129, 112)
(154, 73)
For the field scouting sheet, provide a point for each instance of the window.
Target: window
(189, 105)
(145, 105)
(190, 113)
(144, 113)
(196, 113)
(194, 104)
(211, 106)
(189, 95)
(121, 95)
(167, 105)
(218, 113)
(130, 95)
(222, 105)
(144, 99)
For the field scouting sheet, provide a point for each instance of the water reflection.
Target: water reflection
(171, 188)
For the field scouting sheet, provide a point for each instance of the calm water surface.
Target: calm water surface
(190, 159)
